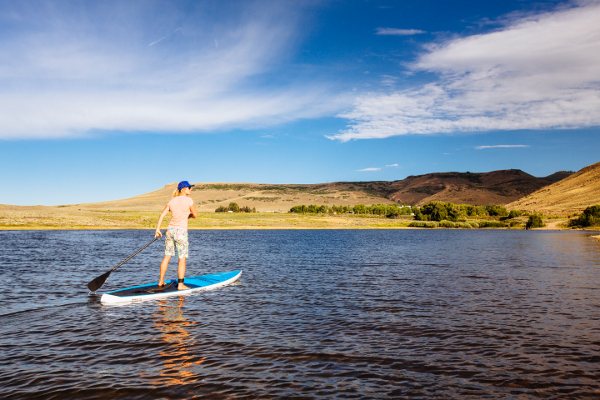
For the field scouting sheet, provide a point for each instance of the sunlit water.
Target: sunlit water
(316, 314)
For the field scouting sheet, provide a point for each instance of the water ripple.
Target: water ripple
(317, 314)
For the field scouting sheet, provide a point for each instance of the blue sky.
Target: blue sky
(108, 100)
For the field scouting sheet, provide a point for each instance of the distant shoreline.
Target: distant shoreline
(62, 218)
(280, 228)
(268, 227)
(238, 228)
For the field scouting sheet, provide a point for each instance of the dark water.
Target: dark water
(317, 314)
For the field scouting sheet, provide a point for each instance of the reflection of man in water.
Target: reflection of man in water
(172, 323)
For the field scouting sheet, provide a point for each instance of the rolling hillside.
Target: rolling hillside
(497, 187)
(570, 195)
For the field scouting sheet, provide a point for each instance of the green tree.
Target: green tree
(435, 210)
(419, 216)
(496, 211)
(476, 211)
(535, 221)
(379, 209)
(454, 211)
(233, 207)
(515, 213)
(313, 209)
(590, 216)
(360, 209)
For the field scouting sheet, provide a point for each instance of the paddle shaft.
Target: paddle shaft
(96, 283)
(131, 256)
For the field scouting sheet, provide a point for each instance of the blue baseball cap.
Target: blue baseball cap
(183, 185)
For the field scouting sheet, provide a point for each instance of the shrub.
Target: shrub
(233, 207)
(462, 225)
(535, 221)
(424, 224)
(512, 224)
(496, 211)
(447, 224)
(299, 209)
(492, 224)
(590, 217)
(515, 213)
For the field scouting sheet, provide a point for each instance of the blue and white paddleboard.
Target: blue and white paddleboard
(152, 291)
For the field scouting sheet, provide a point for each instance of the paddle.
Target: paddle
(99, 281)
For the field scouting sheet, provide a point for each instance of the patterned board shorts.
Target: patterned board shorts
(179, 238)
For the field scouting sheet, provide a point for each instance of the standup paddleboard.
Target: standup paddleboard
(152, 291)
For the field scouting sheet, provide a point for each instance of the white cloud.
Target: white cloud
(500, 146)
(398, 32)
(393, 165)
(537, 72)
(72, 71)
(368, 169)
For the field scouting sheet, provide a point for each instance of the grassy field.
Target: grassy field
(104, 219)
(87, 217)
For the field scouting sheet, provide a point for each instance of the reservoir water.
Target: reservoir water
(317, 314)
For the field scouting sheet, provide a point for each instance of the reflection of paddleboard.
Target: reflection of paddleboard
(153, 291)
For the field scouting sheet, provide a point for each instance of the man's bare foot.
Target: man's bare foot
(181, 286)
(161, 283)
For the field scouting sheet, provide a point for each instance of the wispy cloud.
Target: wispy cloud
(107, 78)
(500, 146)
(164, 37)
(398, 32)
(368, 169)
(392, 165)
(388, 80)
(535, 72)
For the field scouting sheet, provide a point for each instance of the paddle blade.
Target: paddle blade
(98, 282)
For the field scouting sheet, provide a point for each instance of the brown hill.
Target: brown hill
(497, 187)
(570, 195)
(558, 176)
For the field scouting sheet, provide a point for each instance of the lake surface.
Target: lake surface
(317, 314)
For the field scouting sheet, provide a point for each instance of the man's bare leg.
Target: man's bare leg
(181, 273)
(163, 270)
